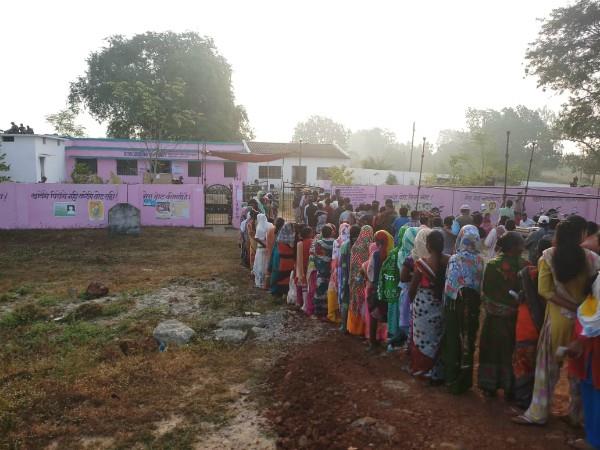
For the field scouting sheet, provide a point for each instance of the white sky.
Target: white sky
(364, 64)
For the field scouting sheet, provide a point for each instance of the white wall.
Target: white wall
(23, 157)
(311, 169)
(54, 152)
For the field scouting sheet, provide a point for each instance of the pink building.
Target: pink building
(130, 160)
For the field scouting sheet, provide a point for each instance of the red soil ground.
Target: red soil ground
(317, 392)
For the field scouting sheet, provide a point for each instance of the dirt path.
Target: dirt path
(332, 394)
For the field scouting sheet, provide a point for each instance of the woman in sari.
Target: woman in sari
(244, 243)
(406, 265)
(358, 256)
(530, 317)
(426, 290)
(376, 308)
(564, 275)
(323, 251)
(497, 341)
(333, 309)
(300, 269)
(251, 232)
(261, 259)
(388, 289)
(344, 286)
(585, 364)
(282, 262)
(271, 236)
(461, 310)
(311, 278)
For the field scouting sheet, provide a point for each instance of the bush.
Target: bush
(24, 314)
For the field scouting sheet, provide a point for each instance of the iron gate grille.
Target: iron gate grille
(217, 205)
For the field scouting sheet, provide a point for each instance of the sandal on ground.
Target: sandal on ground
(522, 420)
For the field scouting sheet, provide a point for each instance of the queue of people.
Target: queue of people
(418, 285)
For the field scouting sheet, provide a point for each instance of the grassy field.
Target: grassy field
(95, 377)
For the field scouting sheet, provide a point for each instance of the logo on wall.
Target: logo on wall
(64, 209)
(96, 210)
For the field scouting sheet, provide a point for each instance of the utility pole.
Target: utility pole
(505, 168)
(533, 144)
(420, 175)
(412, 146)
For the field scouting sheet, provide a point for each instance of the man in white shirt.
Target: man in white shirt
(526, 221)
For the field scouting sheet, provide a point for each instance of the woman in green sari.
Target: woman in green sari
(499, 300)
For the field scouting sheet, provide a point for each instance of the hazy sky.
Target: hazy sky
(364, 64)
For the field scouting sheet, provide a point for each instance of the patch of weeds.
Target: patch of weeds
(87, 311)
(180, 438)
(116, 308)
(24, 314)
(81, 333)
(152, 313)
(48, 301)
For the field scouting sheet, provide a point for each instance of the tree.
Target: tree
(161, 85)
(4, 167)
(83, 175)
(565, 57)
(321, 130)
(376, 162)
(341, 176)
(64, 123)
(480, 149)
(391, 179)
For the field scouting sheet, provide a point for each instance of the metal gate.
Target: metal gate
(218, 205)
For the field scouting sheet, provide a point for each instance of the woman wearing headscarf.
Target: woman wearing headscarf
(251, 232)
(333, 309)
(406, 265)
(345, 281)
(461, 310)
(283, 259)
(585, 364)
(301, 267)
(426, 291)
(388, 288)
(323, 252)
(244, 241)
(271, 236)
(358, 256)
(491, 239)
(565, 272)
(499, 300)
(376, 308)
(487, 225)
(261, 260)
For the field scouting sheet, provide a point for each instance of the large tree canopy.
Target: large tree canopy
(565, 57)
(473, 156)
(161, 86)
(321, 130)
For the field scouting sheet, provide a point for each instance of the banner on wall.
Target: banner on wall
(95, 210)
(64, 209)
(179, 209)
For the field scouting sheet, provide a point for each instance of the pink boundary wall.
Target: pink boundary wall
(449, 200)
(33, 206)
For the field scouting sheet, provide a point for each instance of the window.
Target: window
(8, 139)
(92, 164)
(44, 141)
(194, 168)
(127, 167)
(42, 166)
(299, 174)
(323, 173)
(163, 166)
(272, 172)
(229, 169)
(57, 143)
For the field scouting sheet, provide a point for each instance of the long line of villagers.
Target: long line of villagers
(416, 284)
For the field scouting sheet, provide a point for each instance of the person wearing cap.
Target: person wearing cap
(532, 241)
(465, 217)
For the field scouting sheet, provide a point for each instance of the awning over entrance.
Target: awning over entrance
(249, 157)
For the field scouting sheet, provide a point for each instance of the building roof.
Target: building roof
(293, 148)
(49, 136)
